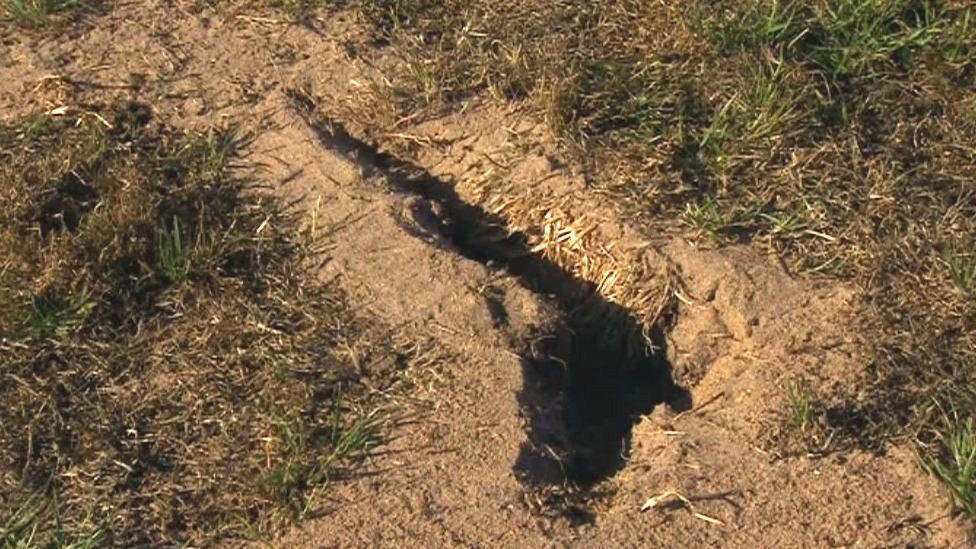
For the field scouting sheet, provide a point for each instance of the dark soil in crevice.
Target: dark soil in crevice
(584, 392)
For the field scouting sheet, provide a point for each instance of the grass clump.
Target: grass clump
(36, 13)
(958, 38)
(800, 403)
(854, 36)
(57, 316)
(173, 257)
(804, 427)
(21, 530)
(955, 465)
(160, 320)
(962, 267)
(844, 38)
(298, 481)
(759, 24)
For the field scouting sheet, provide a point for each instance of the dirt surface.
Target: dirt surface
(486, 432)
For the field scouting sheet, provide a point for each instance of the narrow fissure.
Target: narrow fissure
(584, 396)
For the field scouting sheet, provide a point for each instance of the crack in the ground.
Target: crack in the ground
(584, 399)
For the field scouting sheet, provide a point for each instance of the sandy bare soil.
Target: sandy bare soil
(419, 227)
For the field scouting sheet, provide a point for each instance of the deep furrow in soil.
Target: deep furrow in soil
(593, 386)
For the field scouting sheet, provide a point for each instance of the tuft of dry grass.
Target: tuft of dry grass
(172, 371)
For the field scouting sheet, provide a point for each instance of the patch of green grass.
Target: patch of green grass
(962, 268)
(293, 482)
(716, 134)
(760, 23)
(957, 40)
(770, 104)
(25, 527)
(784, 224)
(36, 124)
(57, 315)
(354, 441)
(955, 465)
(20, 526)
(800, 405)
(721, 226)
(172, 255)
(36, 13)
(618, 101)
(854, 36)
(845, 38)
